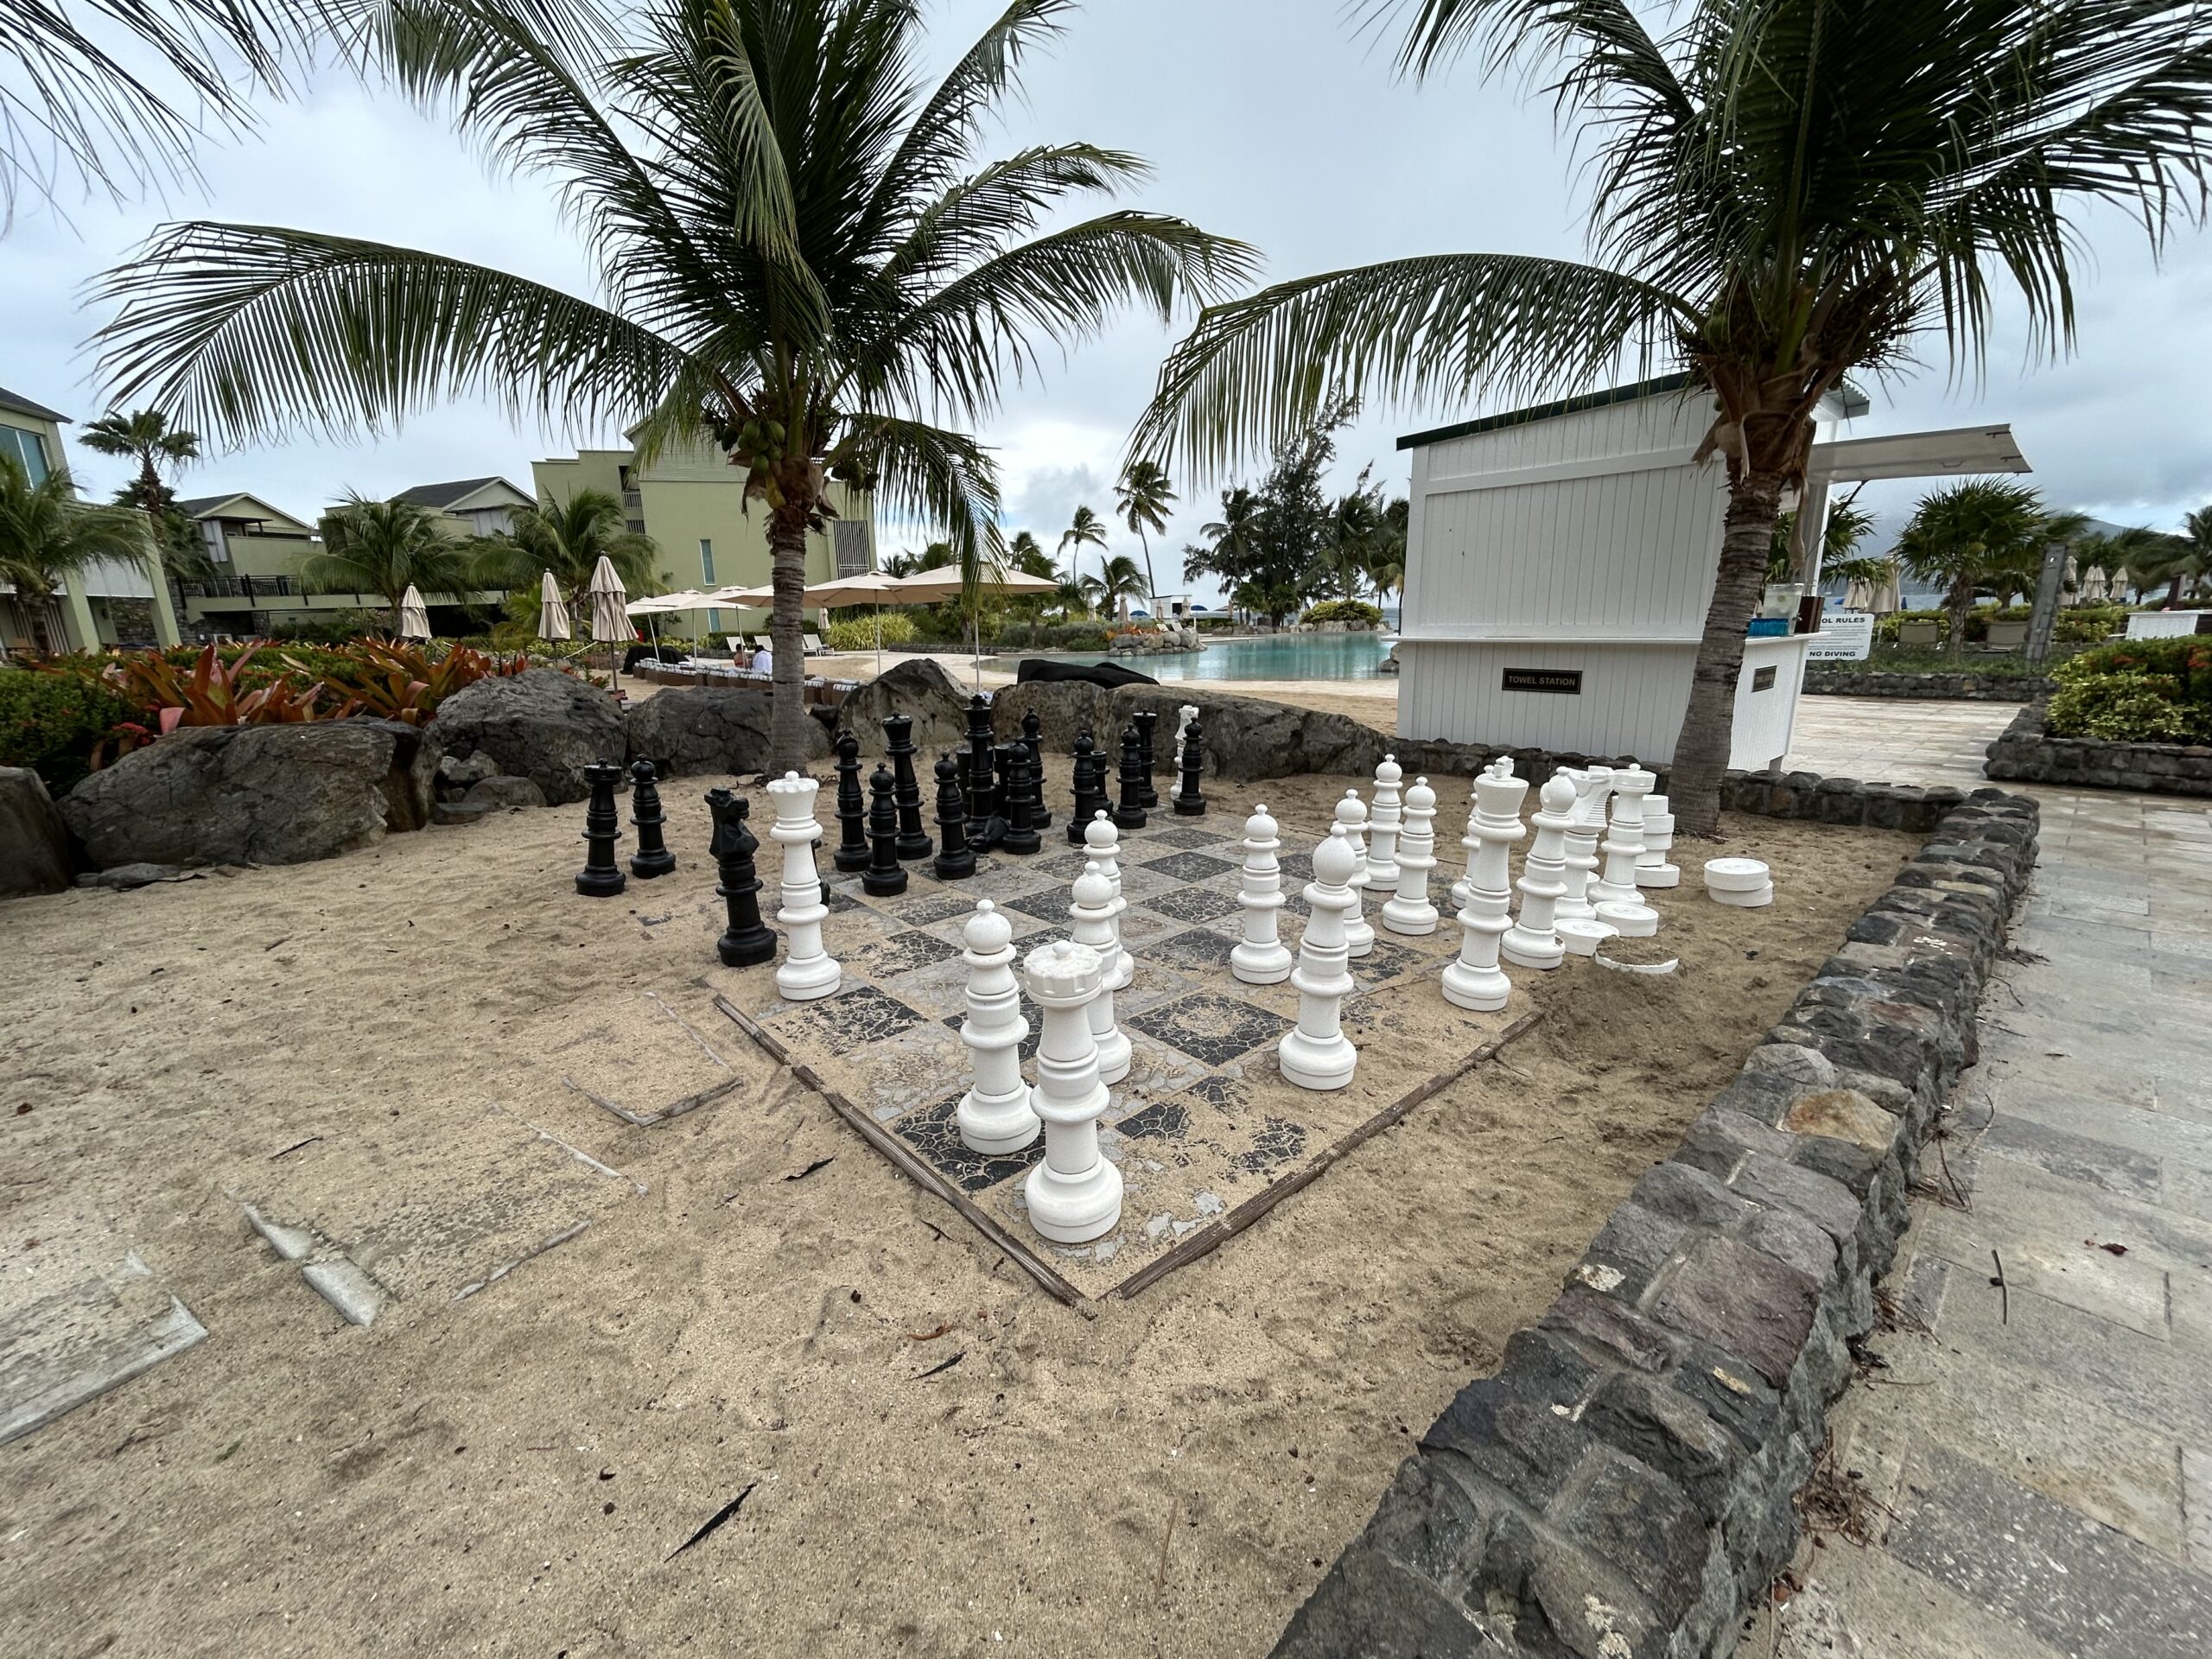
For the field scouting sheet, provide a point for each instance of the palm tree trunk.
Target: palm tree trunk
(1150, 587)
(1701, 750)
(1960, 603)
(787, 715)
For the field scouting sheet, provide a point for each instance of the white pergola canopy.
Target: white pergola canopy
(1919, 454)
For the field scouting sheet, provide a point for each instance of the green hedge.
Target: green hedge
(859, 633)
(2136, 691)
(2079, 624)
(1050, 636)
(52, 722)
(1344, 610)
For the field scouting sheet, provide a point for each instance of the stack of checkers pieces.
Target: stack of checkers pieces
(1744, 883)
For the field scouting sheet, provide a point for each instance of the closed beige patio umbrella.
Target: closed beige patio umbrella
(552, 611)
(414, 615)
(610, 620)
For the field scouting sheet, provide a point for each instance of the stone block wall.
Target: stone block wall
(1834, 682)
(2027, 752)
(1623, 1488)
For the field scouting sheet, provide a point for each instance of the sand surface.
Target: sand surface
(396, 1052)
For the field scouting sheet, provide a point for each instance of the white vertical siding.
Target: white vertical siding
(1631, 702)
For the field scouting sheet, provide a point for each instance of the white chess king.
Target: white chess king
(807, 971)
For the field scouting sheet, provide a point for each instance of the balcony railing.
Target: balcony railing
(243, 587)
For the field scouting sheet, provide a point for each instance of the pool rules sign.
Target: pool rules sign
(1845, 637)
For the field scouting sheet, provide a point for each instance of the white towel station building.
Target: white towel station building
(1560, 560)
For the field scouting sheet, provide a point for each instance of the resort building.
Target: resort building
(472, 506)
(111, 604)
(691, 503)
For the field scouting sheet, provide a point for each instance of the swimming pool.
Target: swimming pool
(1272, 656)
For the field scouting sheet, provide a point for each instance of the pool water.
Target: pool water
(1274, 656)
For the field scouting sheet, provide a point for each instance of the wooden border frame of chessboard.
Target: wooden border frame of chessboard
(1203, 1241)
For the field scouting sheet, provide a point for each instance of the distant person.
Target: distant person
(764, 660)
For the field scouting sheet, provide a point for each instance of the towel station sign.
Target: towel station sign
(1567, 682)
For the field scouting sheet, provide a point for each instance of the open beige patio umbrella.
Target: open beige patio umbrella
(610, 620)
(870, 588)
(552, 611)
(414, 615)
(654, 605)
(933, 587)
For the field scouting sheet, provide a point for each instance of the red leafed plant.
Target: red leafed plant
(404, 682)
(212, 695)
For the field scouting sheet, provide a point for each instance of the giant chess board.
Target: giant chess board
(1205, 1124)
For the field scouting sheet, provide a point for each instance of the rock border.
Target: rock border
(1623, 1488)
(2027, 752)
(1829, 681)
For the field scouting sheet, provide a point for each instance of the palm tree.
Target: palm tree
(1972, 535)
(800, 260)
(1117, 582)
(1024, 554)
(1085, 530)
(1144, 496)
(48, 536)
(1784, 192)
(386, 548)
(2195, 561)
(567, 538)
(145, 435)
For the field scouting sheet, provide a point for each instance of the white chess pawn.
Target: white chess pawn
(1624, 845)
(1183, 715)
(993, 1117)
(1532, 941)
(1263, 958)
(1101, 844)
(1075, 1194)
(1408, 911)
(1382, 828)
(1652, 869)
(1315, 1053)
(1474, 980)
(1091, 923)
(808, 970)
(1470, 840)
(1359, 932)
(1591, 785)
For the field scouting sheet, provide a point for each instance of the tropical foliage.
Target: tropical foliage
(395, 679)
(1780, 192)
(1344, 610)
(386, 548)
(1981, 533)
(48, 535)
(1848, 524)
(1142, 497)
(53, 723)
(802, 260)
(1085, 530)
(1118, 582)
(567, 538)
(2138, 691)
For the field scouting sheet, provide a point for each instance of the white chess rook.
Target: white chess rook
(1407, 912)
(1101, 844)
(1475, 981)
(1315, 1053)
(1532, 941)
(1591, 785)
(1263, 958)
(1624, 846)
(1359, 932)
(1090, 923)
(995, 1116)
(1652, 869)
(808, 970)
(1382, 828)
(1075, 1194)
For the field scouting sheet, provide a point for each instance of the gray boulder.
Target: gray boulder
(1063, 708)
(1251, 737)
(502, 791)
(541, 724)
(254, 794)
(34, 842)
(457, 773)
(709, 731)
(917, 686)
(127, 878)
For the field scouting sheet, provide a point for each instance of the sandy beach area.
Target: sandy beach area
(933, 1457)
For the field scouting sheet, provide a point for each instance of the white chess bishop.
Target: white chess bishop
(1074, 1194)
(1261, 958)
(807, 971)
(1315, 1053)
(1407, 912)
(1091, 920)
(995, 1116)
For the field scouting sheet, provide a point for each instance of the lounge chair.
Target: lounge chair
(812, 642)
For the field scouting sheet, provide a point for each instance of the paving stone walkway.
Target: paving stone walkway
(2024, 1470)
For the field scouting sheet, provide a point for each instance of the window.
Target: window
(211, 531)
(490, 521)
(849, 538)
(29, 448)
(707, 560)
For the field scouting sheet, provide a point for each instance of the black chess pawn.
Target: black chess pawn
(1146, 720)
(985, 824)
(1189, 801)
(1033, 738)
(906, 788)
(956, 859)
(1089, 791)
(1129, 814)
(747, 940)
(852, 853)
(1020, 833)
(601, 877)
(653, 857)
(884, 876)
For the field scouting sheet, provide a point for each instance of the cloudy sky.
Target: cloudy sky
(1277, 121)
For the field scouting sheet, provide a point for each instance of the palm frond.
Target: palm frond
(945, 479)
(980, 215)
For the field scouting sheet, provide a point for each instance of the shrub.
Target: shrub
(1344, 610)
(1050, 636)
(54, 720)
(859, 633)
(2126, 709)
(1211, 623)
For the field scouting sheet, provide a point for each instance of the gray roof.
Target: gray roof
(23, 405)
(444, 495)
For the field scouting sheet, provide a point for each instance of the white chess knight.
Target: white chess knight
(1315, 1053)
(1532, 941)
(1263, 958)
(1091, 920)
(1474, 980)
(808, 970)
(1591, 785)
(1359, 932)
(1624, 845)
(1408, 911)
(995, 1116)
(1652, 869)
(1101, 844)
(1075, 1194)
(1183, 715)
(1383, 827)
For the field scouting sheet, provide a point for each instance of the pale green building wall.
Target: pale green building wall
(87, 623)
